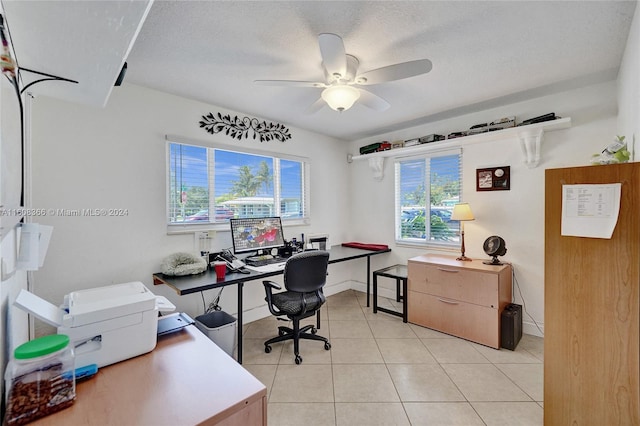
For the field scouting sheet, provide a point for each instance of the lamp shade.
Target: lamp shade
(462, 211)
(340, 97)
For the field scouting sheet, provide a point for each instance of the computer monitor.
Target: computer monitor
(256, 233)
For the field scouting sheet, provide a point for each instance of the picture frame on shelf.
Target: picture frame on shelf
(493, 179)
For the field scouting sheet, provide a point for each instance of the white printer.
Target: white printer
(105, 324)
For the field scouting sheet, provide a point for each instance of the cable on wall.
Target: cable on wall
(12, 71)
(214, 304)
(524, 305)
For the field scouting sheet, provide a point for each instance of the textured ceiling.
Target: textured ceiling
(83, 41)
(484, 53)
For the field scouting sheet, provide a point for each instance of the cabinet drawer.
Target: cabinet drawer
(450, 282)
(476, 323)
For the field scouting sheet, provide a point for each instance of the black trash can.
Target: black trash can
(220, 327)
(511, 326)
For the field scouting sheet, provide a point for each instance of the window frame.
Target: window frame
(184, 228)
(426, 242)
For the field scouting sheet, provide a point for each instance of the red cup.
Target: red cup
(221, 269)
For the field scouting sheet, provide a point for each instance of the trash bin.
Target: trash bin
(220, 327)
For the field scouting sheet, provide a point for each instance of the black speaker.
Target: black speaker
(285, 251)
(511, 326)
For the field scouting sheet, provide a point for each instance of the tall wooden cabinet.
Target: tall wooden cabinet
(591, 344)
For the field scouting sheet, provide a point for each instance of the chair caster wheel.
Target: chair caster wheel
(267, 349)
(298, 359)
(314, 330)
(327, 346)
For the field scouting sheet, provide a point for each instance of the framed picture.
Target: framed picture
(493, 179)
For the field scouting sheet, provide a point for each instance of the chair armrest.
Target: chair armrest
(269, 286)
(272, 285)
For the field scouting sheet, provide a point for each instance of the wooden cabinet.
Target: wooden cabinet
(592, 319)
(464, 299)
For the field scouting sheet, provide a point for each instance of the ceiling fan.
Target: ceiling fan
(342, 80)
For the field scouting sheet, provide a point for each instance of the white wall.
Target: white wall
(629, 88)
(115, 158)
(516, 215)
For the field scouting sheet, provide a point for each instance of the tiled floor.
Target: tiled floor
(381, 371)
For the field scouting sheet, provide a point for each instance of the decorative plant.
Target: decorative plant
(615, 152)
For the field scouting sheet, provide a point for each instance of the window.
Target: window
(203, 180)
(427, 188)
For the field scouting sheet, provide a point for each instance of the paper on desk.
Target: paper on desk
(590, 210)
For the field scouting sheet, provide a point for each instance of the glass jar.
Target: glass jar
(40, 379)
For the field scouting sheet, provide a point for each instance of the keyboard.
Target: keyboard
(263, 261)
(273, 267)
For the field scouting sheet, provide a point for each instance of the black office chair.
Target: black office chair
(304, 276)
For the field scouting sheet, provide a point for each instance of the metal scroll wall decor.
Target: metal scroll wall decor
(239, 128)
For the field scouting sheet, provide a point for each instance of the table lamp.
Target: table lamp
(462, 212)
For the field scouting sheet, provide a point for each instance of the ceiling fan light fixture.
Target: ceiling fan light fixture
(340, 98)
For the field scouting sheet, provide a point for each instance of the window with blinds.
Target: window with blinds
(211, 185)
(426, 189)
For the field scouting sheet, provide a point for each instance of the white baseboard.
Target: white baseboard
(528, 327)
(382, 291)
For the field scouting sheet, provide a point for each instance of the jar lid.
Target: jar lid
(41, 346)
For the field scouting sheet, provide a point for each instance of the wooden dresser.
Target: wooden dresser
(464, 299)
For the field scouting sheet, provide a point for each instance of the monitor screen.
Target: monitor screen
(256, 233)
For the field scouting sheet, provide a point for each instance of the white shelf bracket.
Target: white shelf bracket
(376, 164)
(530, 142)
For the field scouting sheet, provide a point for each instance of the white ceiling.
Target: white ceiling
(484, 53)
(83, 41)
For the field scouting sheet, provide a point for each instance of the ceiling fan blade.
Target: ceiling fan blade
(395, 72)
(315, 107)
(372, 101)
(333, 55)
(290, 83)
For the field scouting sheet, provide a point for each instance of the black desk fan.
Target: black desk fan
(494, 246)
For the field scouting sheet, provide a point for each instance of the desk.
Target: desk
(186, 380)
(207, 280)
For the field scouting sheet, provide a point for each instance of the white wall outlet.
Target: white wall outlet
(201, 241)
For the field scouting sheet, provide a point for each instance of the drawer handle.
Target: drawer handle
(450, 302)
(448, 270)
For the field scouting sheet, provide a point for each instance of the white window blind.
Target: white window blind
(211, 185)
(426, 189)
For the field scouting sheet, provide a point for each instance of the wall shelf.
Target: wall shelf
(530, 138)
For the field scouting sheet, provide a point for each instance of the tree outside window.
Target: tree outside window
(233, 184)
(426, 190)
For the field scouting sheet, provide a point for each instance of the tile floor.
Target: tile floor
(381, 371)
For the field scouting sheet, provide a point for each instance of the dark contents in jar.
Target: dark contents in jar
(37, 394)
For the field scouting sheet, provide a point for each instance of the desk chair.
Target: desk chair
(304, 276)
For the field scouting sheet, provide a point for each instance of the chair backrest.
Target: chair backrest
(307, 271)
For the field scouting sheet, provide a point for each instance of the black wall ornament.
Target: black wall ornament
(239, 128)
